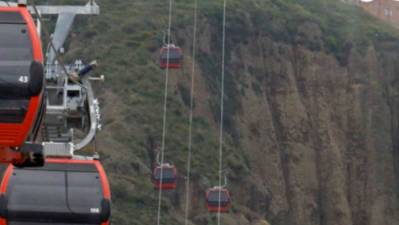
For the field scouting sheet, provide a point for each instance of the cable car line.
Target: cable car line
(222, 109)
(190, 129)
(164, 115)
(218, 198)
(170, 56)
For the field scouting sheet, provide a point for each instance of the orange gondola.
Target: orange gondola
(218, 199)
(21, 87)
(63, 192)
(164, 177)
(174, 54)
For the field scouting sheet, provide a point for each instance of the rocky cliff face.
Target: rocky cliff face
(320, 137)
(383, 9)
(311, 122)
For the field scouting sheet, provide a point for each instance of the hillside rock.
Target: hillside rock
(311, 113)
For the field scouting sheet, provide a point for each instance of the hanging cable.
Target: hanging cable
(165, 108)
(189, 155)
(222, 107)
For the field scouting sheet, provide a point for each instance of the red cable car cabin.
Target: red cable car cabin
(175, 57)
(212, 200)
(21, 86)
(63, 192)
(168, 179)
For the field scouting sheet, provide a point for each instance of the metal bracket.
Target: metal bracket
(91, 8)
(94, 112)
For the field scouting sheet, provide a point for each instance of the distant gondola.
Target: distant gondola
(175, 57)
(212, 200)
(168, 179)
(63, 192)
(21, 87)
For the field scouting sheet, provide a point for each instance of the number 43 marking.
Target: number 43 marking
(23, 79)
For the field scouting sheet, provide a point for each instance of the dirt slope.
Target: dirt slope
(311, 110)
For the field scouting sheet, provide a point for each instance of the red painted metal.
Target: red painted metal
(166, 184)
(15, 135)
(175, 63)
(223, 207)
(103, 177)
